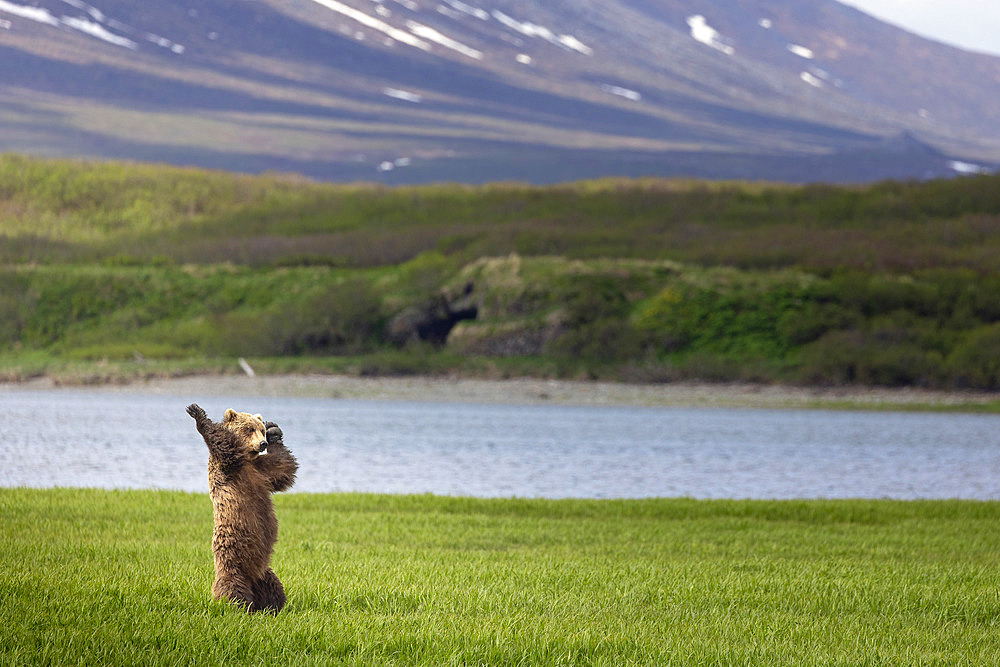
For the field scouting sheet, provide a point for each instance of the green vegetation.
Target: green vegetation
(139, 269)
(123, 577)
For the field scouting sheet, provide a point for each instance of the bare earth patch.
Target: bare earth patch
(528, 391)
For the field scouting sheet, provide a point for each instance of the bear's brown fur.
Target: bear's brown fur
(240, 483)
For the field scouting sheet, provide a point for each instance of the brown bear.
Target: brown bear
(240, 483)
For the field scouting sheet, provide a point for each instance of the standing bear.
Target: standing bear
(240, 482)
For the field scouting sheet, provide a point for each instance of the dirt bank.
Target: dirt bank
(535, 391)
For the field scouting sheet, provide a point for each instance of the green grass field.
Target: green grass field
(123, 577)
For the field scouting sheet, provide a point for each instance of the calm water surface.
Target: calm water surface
(104, 439)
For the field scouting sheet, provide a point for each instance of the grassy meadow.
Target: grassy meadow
(123, 577)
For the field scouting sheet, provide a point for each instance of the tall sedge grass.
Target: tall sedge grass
(123, 577)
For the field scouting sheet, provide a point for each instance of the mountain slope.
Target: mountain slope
(417, 90)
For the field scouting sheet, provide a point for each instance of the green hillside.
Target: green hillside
(130, 269)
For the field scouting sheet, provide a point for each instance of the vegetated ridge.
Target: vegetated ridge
(415, 91)
(138, 268)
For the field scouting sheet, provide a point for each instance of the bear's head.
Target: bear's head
(249, 428)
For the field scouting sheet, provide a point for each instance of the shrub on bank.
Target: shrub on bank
(975, 361)
(866, 358)
(600, 318)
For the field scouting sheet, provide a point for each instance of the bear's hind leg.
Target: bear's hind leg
(235, 588)
(268, 593)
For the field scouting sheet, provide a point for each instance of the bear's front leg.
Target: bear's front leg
(279, 466)
(201, 419)
(221, 443)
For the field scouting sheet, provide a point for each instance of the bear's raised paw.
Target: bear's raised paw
(196, 411)
(273, 434)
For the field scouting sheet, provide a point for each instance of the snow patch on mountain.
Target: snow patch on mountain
(164, 42)
(801, 51)
(706, 34)
(94, 12)
(960, 167)
(37, 14)
(464, 8)
(389, 165)
(150, 37)
(572, 43)
(449, 12)
(811, 79)
(370, 21)
(432, 35)
(404, 95)
(628, 94)
(95, 26)
(88, 27)
(529, 29)
(99, 31)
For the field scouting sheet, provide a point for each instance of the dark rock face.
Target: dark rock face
(432, 321)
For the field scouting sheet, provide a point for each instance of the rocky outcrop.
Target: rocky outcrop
(433, 320)
(515, 339)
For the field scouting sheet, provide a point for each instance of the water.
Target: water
(110, 440)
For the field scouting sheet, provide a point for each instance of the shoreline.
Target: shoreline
(533, 391)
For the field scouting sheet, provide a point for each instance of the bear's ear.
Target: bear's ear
(259, 418)
(229, 416)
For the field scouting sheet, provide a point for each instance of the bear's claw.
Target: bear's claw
(273, 433)
(195, 411)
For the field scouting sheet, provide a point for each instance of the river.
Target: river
(79, 438)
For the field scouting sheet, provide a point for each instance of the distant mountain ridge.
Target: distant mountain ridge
(426, 90)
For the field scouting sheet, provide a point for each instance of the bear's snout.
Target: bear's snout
(262, 446)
